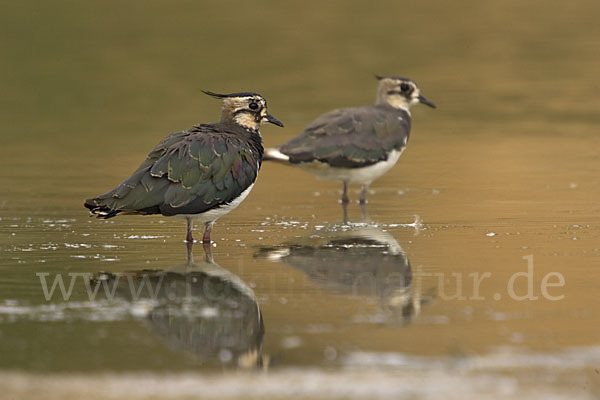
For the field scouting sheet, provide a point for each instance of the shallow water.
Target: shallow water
(412, 300)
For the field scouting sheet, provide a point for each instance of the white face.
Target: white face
(249, 111)
(399, 93)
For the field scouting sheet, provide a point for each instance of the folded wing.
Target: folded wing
(187, 173)
(351, 137)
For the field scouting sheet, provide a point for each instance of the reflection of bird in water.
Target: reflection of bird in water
(199, 308)
(363, 261)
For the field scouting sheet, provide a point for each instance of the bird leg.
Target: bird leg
(363, 195)
(207, 229)
(190, 255)
(345, 213)
(208, 257)
(365, 214)
(190, 226)
(345, 198)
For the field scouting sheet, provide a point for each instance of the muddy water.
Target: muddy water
(491, 292)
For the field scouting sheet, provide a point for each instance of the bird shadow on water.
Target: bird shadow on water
(358, 260)
(198, 308)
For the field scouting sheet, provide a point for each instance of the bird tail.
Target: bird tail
(273, 154)
(100, 210)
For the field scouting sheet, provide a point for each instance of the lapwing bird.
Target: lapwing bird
(356, 145)
(199, 174)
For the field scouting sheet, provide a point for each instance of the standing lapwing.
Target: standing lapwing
(356, 145)
(199, 174)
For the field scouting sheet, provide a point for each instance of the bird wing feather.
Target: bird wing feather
(351, 137)
(188, 172)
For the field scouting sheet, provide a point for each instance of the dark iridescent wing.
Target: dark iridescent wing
(351, 137)
(187, 173)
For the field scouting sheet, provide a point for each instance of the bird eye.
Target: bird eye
(253, 106)
(405, 87)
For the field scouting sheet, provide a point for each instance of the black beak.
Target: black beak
(273, 120)
(423, 100)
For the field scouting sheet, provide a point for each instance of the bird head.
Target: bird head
(246, 109)
(400, 92)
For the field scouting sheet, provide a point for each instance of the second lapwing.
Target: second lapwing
(199, 174)
(356, 145)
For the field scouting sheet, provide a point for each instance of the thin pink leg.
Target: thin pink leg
(207, 230)
(190, 226)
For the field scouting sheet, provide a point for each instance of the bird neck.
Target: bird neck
(397, 102)
(255, 140)
(251, 136)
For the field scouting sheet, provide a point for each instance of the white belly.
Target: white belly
(216, 213)
(364, 175)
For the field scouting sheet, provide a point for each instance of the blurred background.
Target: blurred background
(506, 166)
(75, 72)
